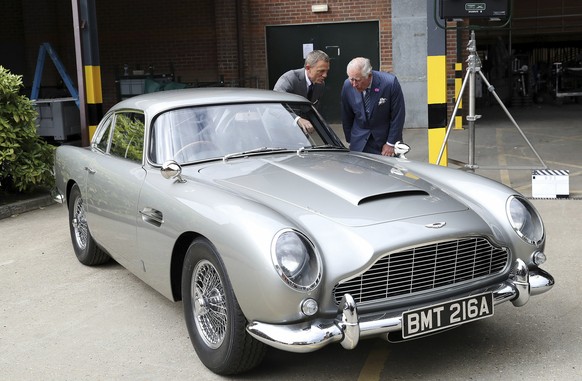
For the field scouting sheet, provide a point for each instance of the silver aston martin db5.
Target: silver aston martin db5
(274, 234)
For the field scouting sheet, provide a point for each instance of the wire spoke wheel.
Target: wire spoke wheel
(79, 223)
(215, 322)
(86, 249)
(209, 302)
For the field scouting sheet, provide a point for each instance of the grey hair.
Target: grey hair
(314, 56)
(361, 64)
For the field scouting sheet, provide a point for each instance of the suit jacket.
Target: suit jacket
(387, 113)
(294, 82)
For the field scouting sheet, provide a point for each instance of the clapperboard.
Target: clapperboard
(550, 183)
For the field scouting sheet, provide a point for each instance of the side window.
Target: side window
(102, 137)
(128, 136)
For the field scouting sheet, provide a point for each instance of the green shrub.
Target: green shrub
(26, 160)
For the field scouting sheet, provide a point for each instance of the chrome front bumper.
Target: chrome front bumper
(348, 328)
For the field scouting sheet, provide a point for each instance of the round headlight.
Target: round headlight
(525, 220)
(295, 260)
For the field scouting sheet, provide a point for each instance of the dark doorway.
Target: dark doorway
(341, 41)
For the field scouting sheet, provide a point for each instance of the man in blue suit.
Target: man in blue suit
(372, 109)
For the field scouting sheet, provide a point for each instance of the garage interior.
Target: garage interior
(537, 58)
(535, 67)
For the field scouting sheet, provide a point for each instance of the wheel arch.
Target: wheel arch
(178, 253)
(70, 184)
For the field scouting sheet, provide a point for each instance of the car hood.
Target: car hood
(351, 189)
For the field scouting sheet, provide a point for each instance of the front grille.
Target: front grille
(425, 268)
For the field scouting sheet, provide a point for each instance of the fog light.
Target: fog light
(538, 258)
(309, 307)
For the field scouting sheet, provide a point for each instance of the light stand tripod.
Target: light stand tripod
(474, 66)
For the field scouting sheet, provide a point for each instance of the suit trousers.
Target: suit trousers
(372, 147)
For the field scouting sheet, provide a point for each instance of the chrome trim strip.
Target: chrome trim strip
(425, 268)
(57, 196)
(348, 329)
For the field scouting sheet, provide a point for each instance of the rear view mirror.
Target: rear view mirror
(172, 170)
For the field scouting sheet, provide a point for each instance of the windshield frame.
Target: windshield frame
(219, 131)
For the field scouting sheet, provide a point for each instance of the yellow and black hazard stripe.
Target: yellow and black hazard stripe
(437, 107)
(458, 86)
(436, 90)
(94, 97)
(91, 64)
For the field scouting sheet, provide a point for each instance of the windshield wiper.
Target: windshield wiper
(322, 147)
(327, 146)
(254, 150)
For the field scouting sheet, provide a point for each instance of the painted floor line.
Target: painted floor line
(374, 364)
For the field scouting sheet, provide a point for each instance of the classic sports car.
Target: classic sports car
(245, 205)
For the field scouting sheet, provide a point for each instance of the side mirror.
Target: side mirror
(400, 149)
(172, 170)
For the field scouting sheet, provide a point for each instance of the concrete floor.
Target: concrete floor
(554, 132)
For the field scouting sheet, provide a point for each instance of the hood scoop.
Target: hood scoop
(366, 184)
(397, 194)
(348, 189)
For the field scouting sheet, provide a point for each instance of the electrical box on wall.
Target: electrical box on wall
(453, 9)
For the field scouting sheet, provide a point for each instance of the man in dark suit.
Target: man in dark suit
(309, 81)
(372, 109)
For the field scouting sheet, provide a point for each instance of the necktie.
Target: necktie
(367, 102)
(310, 91)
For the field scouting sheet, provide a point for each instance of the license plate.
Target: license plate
(433, 318)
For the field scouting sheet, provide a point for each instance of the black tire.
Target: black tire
(86, 250)
(213, 316)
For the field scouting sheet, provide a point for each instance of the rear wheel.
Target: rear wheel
(86, 250)
(215, 321)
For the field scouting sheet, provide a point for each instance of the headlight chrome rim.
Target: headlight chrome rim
(525, 220)
(307, 275)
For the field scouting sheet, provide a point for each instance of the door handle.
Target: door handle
(90, 170)
(152, 216)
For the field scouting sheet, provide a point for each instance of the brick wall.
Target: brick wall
(452, 59)
(29, 23)
(12, 26)
(12, 37)
(283, 12)
(200, 41)
(175, 36)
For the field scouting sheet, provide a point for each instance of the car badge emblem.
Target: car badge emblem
(435, 225)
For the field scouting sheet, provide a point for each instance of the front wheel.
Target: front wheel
(86, 250)
(215, 321)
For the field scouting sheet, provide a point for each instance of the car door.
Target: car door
(113, 188)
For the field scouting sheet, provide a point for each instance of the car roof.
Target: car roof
(153, 103)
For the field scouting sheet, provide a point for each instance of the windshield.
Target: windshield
(201, 133)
